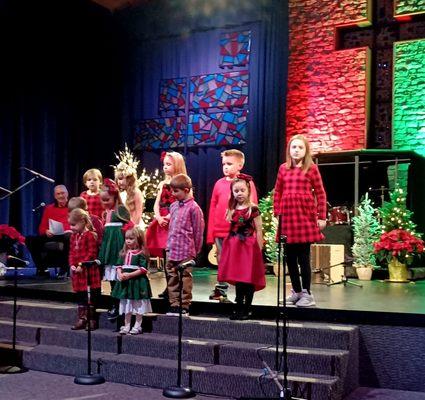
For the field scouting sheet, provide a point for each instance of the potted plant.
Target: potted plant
(366, 232)
(398, 248)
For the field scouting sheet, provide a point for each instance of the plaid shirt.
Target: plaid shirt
(186, 229)
(83, 247)
(301, 200)
(94, 204)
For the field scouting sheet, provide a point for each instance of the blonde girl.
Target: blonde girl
(133, 287)
(83, 247)
(157, 232)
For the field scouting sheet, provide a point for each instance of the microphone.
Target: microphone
(38, 175)
(90, 263)
(187, 264)
(18, 259)
(5, 190)
(42, 204)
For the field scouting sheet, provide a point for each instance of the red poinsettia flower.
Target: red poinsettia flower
(9, 232)
(400, 244)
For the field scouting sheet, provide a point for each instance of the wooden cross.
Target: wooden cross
(380, 37)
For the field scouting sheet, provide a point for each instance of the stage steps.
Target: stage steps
(219, 356)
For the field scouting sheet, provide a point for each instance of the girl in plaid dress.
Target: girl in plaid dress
(133, 287)
(83, 247)
(300, 200)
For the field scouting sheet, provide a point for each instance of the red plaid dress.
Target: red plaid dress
(94, 204)
(83, 247)
(301, 200)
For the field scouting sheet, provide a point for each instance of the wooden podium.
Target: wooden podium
(327, 263)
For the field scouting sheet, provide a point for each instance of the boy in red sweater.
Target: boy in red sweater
(218, 227)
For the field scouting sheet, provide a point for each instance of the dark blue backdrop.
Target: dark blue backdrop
(78, 80)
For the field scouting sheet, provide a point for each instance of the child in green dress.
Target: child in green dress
(133, 287)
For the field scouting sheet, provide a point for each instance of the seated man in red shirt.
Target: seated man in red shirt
(55, 253)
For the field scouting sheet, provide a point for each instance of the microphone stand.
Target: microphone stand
(285, 391)
(179, 392)
(89, 378)
(19, 188)
(14, 369)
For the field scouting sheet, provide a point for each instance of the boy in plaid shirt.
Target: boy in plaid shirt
(185, 238)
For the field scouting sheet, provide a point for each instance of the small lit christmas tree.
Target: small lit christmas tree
(148, 184)
(269, 227)
(367, 231)
(395, 215)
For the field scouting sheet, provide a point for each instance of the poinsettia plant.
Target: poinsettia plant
(8, 237)
(400, 244)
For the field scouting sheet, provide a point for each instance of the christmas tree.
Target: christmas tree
(269, 227)
(366, 232)
(395, 215)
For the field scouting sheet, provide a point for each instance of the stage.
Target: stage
(376, 302)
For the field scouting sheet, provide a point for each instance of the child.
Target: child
(83, 247)
(241, 262)
(300, 200)
(184, 241)
(79, 202)
(133, 288)
(114, 217)
(126, 178)
(157, 232)
(92, 178)
(218, 227)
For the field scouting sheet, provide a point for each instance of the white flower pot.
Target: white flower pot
(364, 273)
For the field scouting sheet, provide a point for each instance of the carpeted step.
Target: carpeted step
(300, 334)
(322, 361)
(205, 378)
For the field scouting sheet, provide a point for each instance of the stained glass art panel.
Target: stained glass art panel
(219, 91)
(217, 129)
(172, 96)
(160, 133)
(235, 48)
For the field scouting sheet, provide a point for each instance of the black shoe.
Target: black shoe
(174, 311)
(222, 285)
(218, 294)
(246, 314)
(113, 314)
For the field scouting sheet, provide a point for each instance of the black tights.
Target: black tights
(298, 254)
(94, 295)
(244, 293)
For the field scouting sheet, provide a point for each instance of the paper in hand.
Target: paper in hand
(56, 227)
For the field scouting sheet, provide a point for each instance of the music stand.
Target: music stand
(14, 369)
(178, 391)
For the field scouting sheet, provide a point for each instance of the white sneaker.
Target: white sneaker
(293, 298)
(306, 300)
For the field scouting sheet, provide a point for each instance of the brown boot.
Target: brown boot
(93, 318)
(82, 319)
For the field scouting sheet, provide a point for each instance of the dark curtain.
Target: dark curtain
(75, 79)
(164, 48)
(60, 99)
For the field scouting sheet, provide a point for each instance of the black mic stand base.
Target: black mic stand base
(178, 392)
(92, 379)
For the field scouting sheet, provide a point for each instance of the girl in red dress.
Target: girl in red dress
(83, 247)
(157, 232)
(241, 261)
(300, 200)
